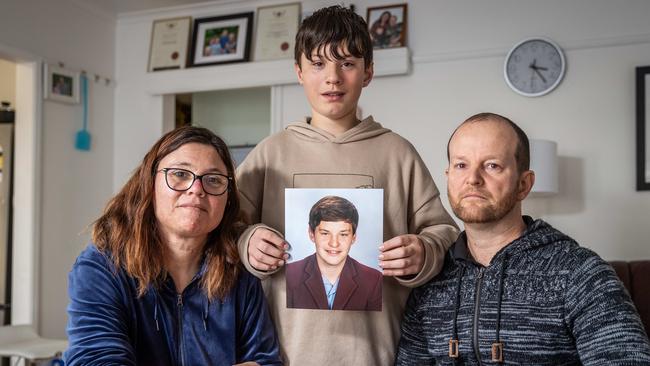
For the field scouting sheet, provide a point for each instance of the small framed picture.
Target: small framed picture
(221, 39)
(169, 38)
(60, 85)
(387, 25)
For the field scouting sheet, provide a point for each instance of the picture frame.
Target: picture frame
(388, 25)
(221, 39)
(642, 128)
(60, 85)
(169, 41)
(354, 217)
(276, 30)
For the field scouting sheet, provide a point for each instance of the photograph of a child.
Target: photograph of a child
(62, 84)
(387, 26)
(335, 236)
(220, 41)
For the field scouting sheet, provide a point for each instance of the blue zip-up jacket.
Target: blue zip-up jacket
(542, 300)
(110, 325)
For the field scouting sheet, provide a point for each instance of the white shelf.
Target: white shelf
(393, 61)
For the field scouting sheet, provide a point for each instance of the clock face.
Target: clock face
(534, 67)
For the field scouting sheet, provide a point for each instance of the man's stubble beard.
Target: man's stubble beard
(485, 214)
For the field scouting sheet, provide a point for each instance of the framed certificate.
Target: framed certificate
(169, 38)
(276, 31)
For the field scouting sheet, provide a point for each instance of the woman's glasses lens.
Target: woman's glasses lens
(181, 180)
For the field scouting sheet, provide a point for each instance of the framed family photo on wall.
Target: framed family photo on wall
(387, 25)
(222, 39)
(60, 85)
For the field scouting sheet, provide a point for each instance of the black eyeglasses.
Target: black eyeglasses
(181, 180)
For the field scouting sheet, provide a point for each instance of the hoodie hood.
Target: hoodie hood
(366, 129)
(538, 233)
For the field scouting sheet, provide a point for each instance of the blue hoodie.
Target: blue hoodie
(110, 325)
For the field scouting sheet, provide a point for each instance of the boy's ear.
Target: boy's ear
(311, 234)
(298, 72)
(369, 73)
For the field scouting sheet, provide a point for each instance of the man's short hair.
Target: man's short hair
(334, 26)
(522, 152)
(333, 208)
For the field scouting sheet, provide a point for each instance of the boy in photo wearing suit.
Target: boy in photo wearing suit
(330, 278)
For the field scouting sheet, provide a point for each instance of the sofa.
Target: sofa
(635, 275)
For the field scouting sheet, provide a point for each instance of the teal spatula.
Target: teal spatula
(82, 140)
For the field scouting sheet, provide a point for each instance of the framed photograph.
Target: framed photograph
(169, 39)
(335, 236)
(222, 39)
(276, 31)
(643, 128)
(387, 25)
(60, 85)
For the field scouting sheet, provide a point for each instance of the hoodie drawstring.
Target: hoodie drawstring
(155, 310)
(497, 346)
(453, 342)
(206, 311)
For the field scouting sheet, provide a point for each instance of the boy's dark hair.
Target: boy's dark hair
(334, 26)
(522, 152)
(333, 208)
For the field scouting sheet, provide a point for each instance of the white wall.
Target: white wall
(239, 116)
(74, 184)
(8, 81)
(458, 52)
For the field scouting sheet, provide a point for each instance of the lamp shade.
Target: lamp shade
(544, 162)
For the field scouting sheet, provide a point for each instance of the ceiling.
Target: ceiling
(114, 7)
(123, 6)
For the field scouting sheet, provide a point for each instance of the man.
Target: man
(513, 290)
(330, 278)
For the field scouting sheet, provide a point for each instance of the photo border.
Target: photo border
(48, 71)
(642, 109)
(245, 21)
(403, 35)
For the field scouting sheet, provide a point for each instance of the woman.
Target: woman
(162, 284)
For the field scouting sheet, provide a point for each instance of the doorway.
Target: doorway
(26, 200)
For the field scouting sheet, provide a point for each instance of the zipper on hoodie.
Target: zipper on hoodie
(179, 303)
(477, 305)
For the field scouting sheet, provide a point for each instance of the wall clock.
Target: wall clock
(534, 66)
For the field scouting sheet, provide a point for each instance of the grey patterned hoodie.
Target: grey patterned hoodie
(542, 300)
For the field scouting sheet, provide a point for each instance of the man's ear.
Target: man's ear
(368, 74)
(298, 70)
(526, 182)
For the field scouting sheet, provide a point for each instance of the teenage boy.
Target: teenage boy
(330, 278)
(333, 149)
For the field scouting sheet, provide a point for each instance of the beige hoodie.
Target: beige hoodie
(366, 156)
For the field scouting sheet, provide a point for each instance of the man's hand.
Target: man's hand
(249, 363)
(402, 255)
(266, 250)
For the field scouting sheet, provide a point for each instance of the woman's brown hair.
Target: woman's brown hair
(127, 230)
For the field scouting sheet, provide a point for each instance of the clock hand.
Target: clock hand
(540, 75)
(541, 68)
